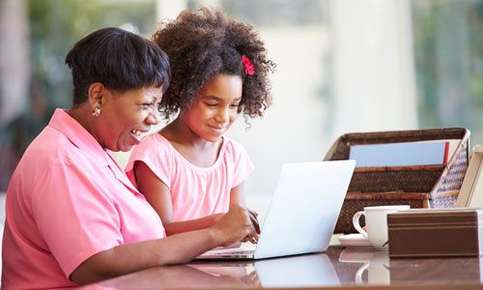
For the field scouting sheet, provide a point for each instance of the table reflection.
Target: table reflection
(183, 276)
(296, 271)
(376, 268)
(299, 271)
(336, 267)
(372, 266)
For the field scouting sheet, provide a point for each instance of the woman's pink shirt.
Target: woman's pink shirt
(68, 200)
(195, 191)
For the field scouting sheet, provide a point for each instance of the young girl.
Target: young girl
(190, 172)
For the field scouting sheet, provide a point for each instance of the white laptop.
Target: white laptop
(302, 214)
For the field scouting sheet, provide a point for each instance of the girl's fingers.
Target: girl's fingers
(253, 218)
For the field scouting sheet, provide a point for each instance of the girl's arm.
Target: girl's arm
(175, 249)
(159, 196)
(236, 195)
(238, 198)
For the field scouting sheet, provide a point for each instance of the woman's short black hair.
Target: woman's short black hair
(118, 59)
(204, 43)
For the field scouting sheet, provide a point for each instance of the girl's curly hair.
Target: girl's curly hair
(204, 43)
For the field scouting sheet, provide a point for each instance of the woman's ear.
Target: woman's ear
(96, 95)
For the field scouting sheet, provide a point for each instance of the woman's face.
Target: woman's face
(127, 117)
(215, 108)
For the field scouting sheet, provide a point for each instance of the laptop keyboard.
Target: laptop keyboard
(242, 252)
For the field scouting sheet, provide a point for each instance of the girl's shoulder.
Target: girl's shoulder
(233, 147)
(152, 150)
(155, 142)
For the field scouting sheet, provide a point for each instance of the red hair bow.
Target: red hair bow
(248, 65)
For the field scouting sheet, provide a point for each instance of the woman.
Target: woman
(72, 214)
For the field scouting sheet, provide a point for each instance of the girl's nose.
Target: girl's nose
(223, 115)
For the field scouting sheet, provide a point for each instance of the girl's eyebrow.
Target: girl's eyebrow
(212, 97)
(215, 98)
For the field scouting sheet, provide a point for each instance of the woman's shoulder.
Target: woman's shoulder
(52, 149)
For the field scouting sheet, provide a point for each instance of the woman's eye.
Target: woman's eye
(146, 106)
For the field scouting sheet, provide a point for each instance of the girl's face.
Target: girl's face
(215, 108)
(127, 117)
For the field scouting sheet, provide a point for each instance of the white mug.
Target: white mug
(376, 223)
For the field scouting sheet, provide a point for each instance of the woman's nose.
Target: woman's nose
(153, 118)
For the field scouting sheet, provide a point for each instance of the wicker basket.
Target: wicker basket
(418, 186)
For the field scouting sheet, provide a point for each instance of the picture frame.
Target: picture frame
(471, 192)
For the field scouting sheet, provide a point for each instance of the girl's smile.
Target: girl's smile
(215, 108)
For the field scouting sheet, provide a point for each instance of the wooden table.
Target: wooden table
(338, 267)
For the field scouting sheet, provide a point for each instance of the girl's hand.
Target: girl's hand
(234, 226)
(253, 238)
(217, 217)
(254, 219)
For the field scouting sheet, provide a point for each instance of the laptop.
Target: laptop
(302, 214)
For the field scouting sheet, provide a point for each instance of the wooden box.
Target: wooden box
(435, 233)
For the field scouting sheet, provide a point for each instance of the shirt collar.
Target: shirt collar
(82, 139)
(78, 135)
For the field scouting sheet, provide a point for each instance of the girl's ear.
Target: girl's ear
(95, 95)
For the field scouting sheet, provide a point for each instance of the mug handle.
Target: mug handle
(357, 225)
(358, 277)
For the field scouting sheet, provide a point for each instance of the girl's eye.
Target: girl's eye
(211, 104)
(235, 105)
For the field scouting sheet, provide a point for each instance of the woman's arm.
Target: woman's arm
(159, 196)
(175, 249)
(191, 225)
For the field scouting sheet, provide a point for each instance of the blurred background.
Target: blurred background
(343, 66)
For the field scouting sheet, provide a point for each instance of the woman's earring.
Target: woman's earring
(96, 111)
